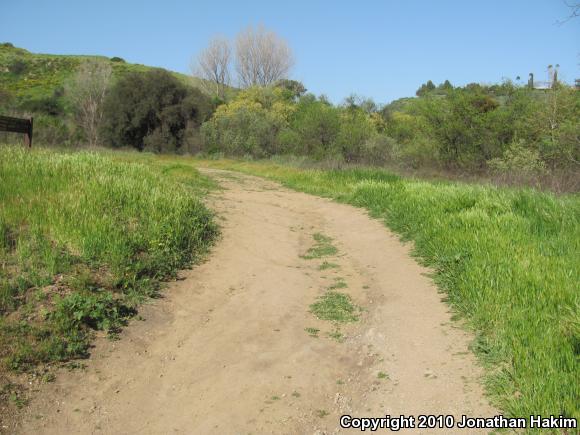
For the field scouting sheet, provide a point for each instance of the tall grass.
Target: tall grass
(83, 239)
(508, 260)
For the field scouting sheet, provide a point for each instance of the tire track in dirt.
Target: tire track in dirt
(226, 350)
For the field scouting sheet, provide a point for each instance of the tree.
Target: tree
(354, 101)
(574, 11)
(262, 57)
(87, 92)
(294, 87)
(446, 86)
(425, 89)
(213, 65)
(153, 110)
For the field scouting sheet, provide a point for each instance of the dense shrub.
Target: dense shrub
(18, 66)
(51, 105)
(379, 150)
(52, 130)
(469, 127)
(249, 125)
(317, 125)
(519, 159)
(152, 110)
(355, 130)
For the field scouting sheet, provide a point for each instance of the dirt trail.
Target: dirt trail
(226, 350)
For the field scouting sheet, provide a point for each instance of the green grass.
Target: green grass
(83, 240)
(327, 265)
(336, 335)
(321, 413)
(508, 260)
(313, 332)
(322, 248)
(338, 284)
(336, 307)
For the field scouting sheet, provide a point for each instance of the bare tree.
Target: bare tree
(574, 12)
(87, 91)
(262, 57)
(213, 65)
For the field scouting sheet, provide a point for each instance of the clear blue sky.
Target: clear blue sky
(383, 49)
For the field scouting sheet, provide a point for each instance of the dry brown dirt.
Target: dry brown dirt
(226, 351)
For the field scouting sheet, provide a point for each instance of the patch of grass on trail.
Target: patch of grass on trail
(313, 332)
(83, 240)
(322, 248)
(336, 307)
(326, 265)
(338, 284)
(507, 259)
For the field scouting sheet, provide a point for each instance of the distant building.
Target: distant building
(549, 84)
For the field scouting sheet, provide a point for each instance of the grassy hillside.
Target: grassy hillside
(83, 240)
(29, 76)
(507, 259)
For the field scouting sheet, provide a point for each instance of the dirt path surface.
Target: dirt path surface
(226, 351)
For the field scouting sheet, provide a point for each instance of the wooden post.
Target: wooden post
(28, 135)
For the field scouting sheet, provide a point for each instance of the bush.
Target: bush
(519, 159)
(241, 131)
(317, 125)
(379, 150)
(250, 124)
(18, 67)
(421, 152)
(51, 105)
(117, 59)
(152, 104)
(355, 129)
(6, 98)
(50, 130)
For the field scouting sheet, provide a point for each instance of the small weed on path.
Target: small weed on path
(338, 283)
(336, 335)
(326, 265)
(313, 332)
(321, 413)
(336, 307)
(322, 248)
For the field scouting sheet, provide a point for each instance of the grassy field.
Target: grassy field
(507, 260)
(85, 238)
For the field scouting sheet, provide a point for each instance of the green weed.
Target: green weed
(322, 248)
(326, 265)
(321, 413)
(313, 332)
(338, 284)
(336, 335)
(336, 307)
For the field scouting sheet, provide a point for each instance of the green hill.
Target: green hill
(29, 78)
